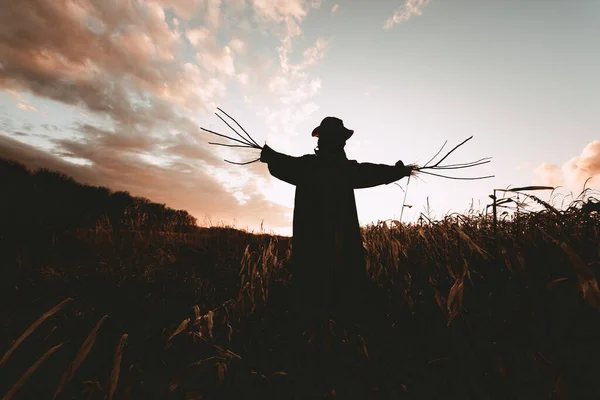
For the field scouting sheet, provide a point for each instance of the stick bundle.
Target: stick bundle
(427, 168)
(245, 142)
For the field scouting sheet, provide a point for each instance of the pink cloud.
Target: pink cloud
(294, 88)
(549, 174)
(220, 61)
(406, 11)
(93, 53)
(126, 61)
(198, 36)
(22, 104)
(280, 10)
(26, 107)
(575, 171)
(237, 45)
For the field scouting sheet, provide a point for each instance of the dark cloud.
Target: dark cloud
(111, 57)
(118, 58)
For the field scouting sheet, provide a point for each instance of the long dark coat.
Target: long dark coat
(328, 265)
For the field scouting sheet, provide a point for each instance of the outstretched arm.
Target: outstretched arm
(365, 175)
(287, 168)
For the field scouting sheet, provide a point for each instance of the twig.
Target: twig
(233, 145)
(482, 160)
(436, 154)
(459, 166)
(242, 163)
(236, 132)
(458, 178)
(224, 136)
(399, 186)
(241, 127)
(244, 143)
(452, 151)
(404, 202)
(437, 166)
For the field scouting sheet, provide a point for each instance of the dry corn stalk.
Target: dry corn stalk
(114, 375)
(84, 350)
(15, 388)
(32, 328)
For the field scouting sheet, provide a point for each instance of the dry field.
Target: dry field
(455, 309)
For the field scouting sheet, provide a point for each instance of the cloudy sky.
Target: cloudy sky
(113, 92)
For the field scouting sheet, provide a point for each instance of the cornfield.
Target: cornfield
(457, 308)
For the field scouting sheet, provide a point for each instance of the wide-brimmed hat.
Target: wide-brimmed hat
(332, 126)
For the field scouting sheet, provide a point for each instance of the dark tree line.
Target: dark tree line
(47, 200)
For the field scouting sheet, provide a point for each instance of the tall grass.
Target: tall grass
(455, 309)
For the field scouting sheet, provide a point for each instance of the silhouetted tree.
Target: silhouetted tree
(48, 201)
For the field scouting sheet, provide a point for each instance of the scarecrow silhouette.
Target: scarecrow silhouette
(329, 277)
(328, 265)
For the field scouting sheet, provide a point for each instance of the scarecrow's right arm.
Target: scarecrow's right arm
(281, 166)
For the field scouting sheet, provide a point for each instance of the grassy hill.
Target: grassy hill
(104, 295)
(53, 201)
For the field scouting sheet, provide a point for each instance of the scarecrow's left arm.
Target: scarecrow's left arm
(365, 175)
(287, 168)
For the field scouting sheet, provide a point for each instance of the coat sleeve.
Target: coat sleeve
(365, 175)
(287, 168)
